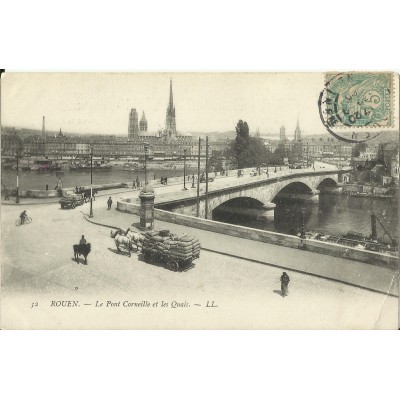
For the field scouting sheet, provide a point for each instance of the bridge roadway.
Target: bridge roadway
(261, 187)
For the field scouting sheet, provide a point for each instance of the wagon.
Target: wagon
(172, 262)
(71, 201)
(175, 252)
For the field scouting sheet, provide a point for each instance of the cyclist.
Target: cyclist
(23, 216)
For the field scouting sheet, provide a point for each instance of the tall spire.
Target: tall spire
(170, 122)
(297, 132)
(171, 99)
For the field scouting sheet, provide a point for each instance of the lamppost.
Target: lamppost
(19, 149)
(198, 181)
(303, 217)
(91, 182)
(17, 197)
(146, 146)
(184, 169)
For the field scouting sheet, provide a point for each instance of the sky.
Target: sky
(205, 102)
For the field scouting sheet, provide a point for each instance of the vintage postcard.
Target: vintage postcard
(200, 200)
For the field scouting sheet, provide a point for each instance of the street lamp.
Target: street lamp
(303, 217)
(19, 148)
(17, 197)
(184, 169)
(91, 182)
(146, 146)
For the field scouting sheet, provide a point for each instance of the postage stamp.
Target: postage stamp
(354, 106)
(360, 99)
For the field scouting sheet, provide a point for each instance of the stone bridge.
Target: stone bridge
(262, 191)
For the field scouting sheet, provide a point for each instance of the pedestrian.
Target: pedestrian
(133, 185)
(285, 284)
(83, 240)
(166, 180)
(109, 203)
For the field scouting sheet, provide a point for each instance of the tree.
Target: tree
(215, 161)
(241, 142)
(247, 150)
(359, 148)
(279, 154)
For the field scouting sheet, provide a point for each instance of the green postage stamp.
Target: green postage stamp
(359, 99)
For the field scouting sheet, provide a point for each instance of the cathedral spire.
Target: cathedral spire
(171, 98)
(297, 132)
(170, 122)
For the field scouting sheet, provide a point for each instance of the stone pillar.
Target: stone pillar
(146, 208)
(269, 211)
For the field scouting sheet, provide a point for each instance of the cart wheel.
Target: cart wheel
(174, 265)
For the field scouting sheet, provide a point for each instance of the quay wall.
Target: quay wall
(279, 239)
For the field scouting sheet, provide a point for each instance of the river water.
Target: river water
(71, 178)
(334, 214)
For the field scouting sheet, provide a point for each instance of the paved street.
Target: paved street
(38, 266)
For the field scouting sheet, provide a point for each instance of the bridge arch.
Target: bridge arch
(253, 197)
(327, 182)
(299, 186)
(242, 201)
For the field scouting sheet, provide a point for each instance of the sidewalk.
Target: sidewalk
(377, 279)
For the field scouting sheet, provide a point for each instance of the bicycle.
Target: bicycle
(27, 220)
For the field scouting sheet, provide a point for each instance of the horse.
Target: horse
(121, 240)
(135, 237)
(81, 249)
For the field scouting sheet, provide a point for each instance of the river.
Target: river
(29, 180)
(334, 214)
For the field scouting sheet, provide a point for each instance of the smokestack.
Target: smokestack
(43, 128)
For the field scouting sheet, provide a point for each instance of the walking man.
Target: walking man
(109, 203)
(285, 284)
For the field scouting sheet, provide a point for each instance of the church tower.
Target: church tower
(282, 134)
(133, 128)
(170, 122)
(143, 123)
(297, 132)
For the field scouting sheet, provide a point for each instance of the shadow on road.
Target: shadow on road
(278, 292)
(121, 252)
(79, 260)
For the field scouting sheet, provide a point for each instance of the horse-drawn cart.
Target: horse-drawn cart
(177, 252)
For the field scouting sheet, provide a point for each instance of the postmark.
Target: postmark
(355, 106)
